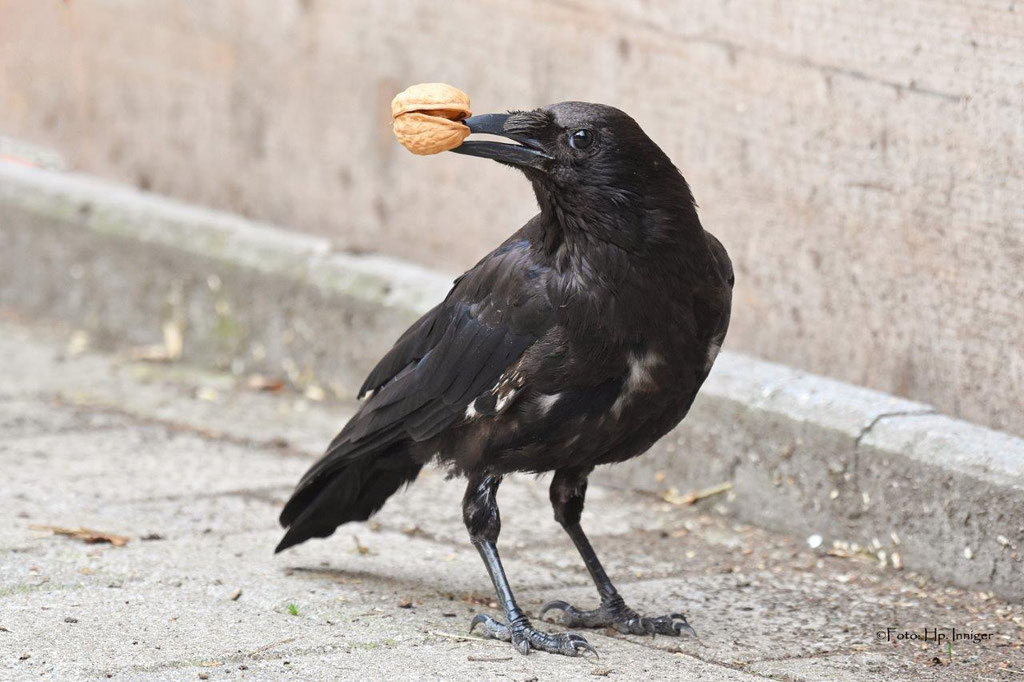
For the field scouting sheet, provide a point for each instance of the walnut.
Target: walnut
(428, 117)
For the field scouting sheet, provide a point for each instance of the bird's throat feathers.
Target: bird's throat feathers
(657, 220)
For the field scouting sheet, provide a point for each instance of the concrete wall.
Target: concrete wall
(863, 162)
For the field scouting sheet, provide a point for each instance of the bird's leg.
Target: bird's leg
(480, 513)
(568, 490)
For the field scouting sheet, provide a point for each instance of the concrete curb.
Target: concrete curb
(870, 473)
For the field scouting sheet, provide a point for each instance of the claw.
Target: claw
(685, 627)
(580, 643)
(477, 620)
(556, 604)
(492, 628)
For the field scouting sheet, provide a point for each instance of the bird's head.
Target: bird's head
(582, 158)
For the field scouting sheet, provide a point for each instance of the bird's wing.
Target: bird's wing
(447, 358)
(410, 347)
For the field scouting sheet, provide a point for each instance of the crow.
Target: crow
(579, 341)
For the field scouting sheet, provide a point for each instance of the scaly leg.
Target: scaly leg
(480, 513)
(568, 490)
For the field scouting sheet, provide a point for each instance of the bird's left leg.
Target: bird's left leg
(568, 490)
(480, 513)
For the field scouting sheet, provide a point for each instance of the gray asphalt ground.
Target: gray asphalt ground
(192, 468)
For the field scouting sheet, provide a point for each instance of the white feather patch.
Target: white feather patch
(503, 400)
(639, 378)
(545, 402)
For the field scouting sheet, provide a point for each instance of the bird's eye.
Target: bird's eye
(581, 139)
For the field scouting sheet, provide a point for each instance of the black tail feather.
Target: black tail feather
(353, 492)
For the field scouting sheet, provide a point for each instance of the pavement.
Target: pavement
(190, 468)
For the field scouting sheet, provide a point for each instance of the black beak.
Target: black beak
(529, 152)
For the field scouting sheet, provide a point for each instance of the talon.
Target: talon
(580, 643)
(477, 620)
(556, 604)
(685, 627)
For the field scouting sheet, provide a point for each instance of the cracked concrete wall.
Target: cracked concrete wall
(861, 161)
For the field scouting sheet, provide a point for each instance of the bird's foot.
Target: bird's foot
(613, 613)
(525, 638)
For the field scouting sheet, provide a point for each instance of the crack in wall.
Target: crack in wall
(732, 48)
(867, 429)
(886, 415)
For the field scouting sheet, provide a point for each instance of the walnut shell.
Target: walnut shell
(427, 117)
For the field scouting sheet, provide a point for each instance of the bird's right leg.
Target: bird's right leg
(480, 513)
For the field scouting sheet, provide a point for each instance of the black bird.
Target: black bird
(579, 341)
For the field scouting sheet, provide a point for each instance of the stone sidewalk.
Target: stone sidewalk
(193, 467)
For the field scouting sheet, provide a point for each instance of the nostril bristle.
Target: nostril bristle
(524, 122)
